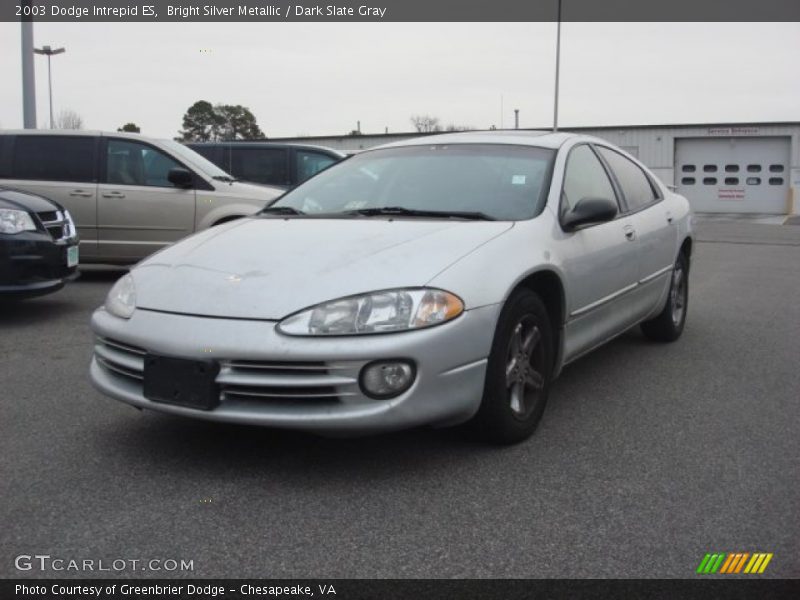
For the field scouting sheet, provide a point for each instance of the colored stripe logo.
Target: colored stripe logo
(734, 562)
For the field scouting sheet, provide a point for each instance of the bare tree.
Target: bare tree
(68, 119)
(426, 123)
(454, 127)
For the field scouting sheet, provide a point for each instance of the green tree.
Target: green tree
(130, 128)
(237, 123)
(200, 123)
(204, 122)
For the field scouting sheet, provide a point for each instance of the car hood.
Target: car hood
(17, 199)
(268, 268)
(249, 191)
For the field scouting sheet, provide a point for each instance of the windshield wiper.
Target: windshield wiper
(280, 210)
(225, 178)
(413, 212)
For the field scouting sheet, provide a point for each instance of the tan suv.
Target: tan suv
(129, 195)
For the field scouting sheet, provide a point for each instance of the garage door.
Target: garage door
(748, 175)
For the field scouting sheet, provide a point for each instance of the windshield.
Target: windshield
(203, 164)
(502, 182)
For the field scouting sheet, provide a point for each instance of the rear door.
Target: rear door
(59, 167)
(138, 210)
(653, 225)
(599, 260)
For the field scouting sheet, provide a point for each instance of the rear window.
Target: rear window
(635, 185)
(54, 158)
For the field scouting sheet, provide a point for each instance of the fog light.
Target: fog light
(386, 379)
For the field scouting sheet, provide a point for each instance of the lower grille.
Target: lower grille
(122, 359)
(254, 381)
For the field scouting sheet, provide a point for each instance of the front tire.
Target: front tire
(668, 325)
(518, 373)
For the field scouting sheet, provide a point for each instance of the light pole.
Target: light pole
(558, 65)
(28, 76)
(48, 51)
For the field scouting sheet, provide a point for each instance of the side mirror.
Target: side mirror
(590, 210)
(180, 178)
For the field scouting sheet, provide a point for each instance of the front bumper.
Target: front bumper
(32, 263)
(309, 384)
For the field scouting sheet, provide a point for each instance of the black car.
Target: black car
(271, 163)
(38, 245)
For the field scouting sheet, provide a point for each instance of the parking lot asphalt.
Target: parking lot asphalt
(648, 456)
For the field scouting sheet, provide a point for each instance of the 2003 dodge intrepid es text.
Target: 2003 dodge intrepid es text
(439, 281)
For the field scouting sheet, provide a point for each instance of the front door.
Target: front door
(600, 261)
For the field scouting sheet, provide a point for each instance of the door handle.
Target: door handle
(113, 195)
(81, 193)
(630, 233)
(669, 218)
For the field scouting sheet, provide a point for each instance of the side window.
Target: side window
(635, 185)
(262, 165)
(584, 177)
(132, 163)
(210, 152)
(54, 158)
(310, 163)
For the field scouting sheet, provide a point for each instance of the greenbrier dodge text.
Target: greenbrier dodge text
(201, 591)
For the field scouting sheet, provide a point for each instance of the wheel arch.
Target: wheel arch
(547, 284)
(227, 219)
(686, 246)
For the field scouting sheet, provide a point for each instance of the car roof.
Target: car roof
(541, 139)
(268, 144)
(82, 133)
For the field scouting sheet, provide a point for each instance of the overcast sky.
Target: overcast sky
(320, 78)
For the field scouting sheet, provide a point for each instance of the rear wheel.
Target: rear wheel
(668, 325)
(518, 372)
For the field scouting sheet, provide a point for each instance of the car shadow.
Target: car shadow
(221, 452)
(217, 451)
(23, 312)
(101, 273)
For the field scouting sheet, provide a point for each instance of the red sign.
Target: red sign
(730, 193)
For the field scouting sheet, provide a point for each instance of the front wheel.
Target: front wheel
(518, 372)
(668, 325)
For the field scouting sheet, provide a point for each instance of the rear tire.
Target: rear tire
(518, 372)
(668, 325)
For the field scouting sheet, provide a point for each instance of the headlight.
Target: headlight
(71, 231)
(121, 300)
(15, 221)
(378, 312)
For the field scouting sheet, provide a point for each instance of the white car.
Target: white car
(435, 281)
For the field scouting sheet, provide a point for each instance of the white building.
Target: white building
(720, 168)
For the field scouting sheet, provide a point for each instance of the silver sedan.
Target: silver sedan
(441, 281)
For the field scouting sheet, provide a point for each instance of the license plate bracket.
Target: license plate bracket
(182, 382)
